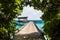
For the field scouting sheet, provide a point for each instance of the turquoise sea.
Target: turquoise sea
(39, 23)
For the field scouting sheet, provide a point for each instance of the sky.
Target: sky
(31, 13)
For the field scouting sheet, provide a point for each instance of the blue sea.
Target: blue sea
(39, 23)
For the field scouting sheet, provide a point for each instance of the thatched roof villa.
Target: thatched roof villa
(29, 32)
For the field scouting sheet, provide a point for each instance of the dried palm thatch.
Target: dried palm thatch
(29, 32)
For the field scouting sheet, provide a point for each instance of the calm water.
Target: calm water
(39, 24)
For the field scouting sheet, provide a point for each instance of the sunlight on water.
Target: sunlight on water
(40, 26)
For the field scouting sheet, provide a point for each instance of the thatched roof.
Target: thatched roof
(22, 17)
(29, 31)
(30, 28)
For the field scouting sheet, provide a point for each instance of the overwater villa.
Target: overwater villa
(29, 32)
(21, 19)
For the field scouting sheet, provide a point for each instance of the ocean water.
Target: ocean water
(39, 24)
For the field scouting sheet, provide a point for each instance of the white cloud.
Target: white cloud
(31, 13)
